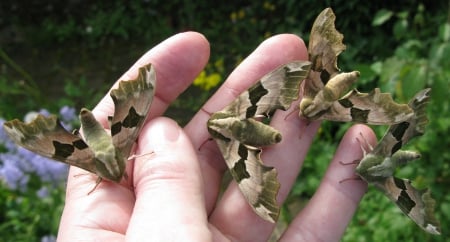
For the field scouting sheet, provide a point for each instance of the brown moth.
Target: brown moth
(378, 165)
(324, 91)
(98, 151)
(240, 136)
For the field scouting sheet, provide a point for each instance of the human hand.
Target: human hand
(172, 193)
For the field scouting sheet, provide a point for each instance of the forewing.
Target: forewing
(276, 90)
(325, 44)
(132, 100)
(370, 108)
(258, 183)
(46, 136)
(399, 134)
(418, 205)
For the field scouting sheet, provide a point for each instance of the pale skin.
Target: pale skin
(171, 190)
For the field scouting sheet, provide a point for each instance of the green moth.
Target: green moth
(240, 136)
(378, 165)
(97, 151)
(325, 97)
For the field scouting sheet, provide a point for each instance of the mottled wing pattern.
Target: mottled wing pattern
(371, 108)
(47, 137)
(276, 90)
(325, 44)
(399, 134)
(257, 182)
(417, 204)
(132, 100)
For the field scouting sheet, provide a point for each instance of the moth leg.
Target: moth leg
(365, 146)
(99, 179)
(204, 142)
(139, 156)
(354, 162)
(355, 178)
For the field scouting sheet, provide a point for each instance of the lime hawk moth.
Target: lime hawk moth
(324, 94)
(240, 135)
(97, 151)
(378, 165)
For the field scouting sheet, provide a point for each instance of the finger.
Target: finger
(272, 53)
(177, 61)
(329, 211)
(169, 187)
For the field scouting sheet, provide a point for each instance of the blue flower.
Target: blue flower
(68, 114)
(12, 175)
(43, 192)
(48, 238)
(44, 112)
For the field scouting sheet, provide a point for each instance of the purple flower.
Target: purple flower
(44, 112)
(49, 170)
(13, 176)
(68, 114)
(43, 192)
(48, 238)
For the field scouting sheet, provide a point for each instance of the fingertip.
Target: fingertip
(294, 44)
(168, 185)
(329, 211)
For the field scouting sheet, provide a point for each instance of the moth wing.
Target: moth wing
(325, 44)
(47, 137)
(416, 204)
(276, 90)
(258, 182)
(371, 108)
(400, 134)
(132, 100)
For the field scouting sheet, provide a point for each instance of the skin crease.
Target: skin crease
(172, 187)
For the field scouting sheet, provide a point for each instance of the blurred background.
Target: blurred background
(59, 56)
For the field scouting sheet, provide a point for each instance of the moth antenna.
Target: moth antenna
(289, 114)
(365, 144)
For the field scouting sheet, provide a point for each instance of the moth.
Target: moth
(324, 94)
(378, 165)
(97, 151)
(240, 135)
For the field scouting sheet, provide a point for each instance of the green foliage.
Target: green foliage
(26, 216)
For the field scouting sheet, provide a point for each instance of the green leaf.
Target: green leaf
(381, 17)
(444, 32)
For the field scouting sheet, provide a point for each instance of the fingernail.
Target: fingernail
(168, 131)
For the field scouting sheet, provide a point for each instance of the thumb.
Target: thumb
(168, 186)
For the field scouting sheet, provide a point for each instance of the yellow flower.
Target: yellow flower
(207, 82)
